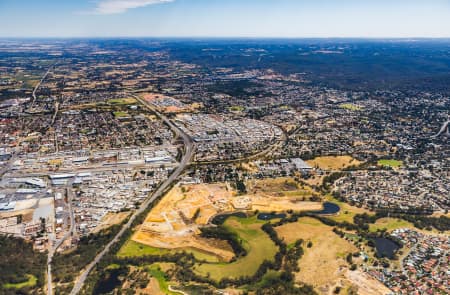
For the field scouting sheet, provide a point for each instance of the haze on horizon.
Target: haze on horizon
(225, 18)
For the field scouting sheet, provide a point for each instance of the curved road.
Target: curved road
(445, 127)
(279, 143)
(189, 149)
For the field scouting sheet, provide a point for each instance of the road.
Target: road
(189, 149)
(39, 84)
(445, 127)
(75, 170)
(7, 166)
(70, 233)
(271, 148)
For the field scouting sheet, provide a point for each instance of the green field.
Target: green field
(236, 109)
(122, 101)
(120, 114)
(134, 249)
(155, 271)
(351, 107)
(390, 224)
(257, 243)
(32, 280)
(390, 163)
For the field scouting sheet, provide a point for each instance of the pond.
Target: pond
(221, 218)
(110, 282)
(328, 208)
(386, 247)
(270, 216)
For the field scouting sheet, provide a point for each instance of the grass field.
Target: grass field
(32, 280)
(347, 212)
(322, 265)
(120, 114)
(257, 243)
(122, 101)
(135, 249)
(351, 107)
(390, 224)
(29, 81)
(390, 163)
(155, 271)
(236, 108)
(333, 162)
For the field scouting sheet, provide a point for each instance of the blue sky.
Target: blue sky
(225, 18)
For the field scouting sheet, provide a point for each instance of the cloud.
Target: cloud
(121, 6)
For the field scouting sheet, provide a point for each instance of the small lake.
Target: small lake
(220, 219)
(270, 216)
(328, 208)
(386, 247)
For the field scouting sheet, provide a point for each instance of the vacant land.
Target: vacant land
(111, 219)
(279, 187)
(390, 163)
(333, 162)
(257, 243)
(367, 285)
(323, 265)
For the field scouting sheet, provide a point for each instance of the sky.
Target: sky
(225, 18)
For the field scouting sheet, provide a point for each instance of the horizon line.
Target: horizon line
(228, 37)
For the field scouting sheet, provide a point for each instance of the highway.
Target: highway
(189, 149)
(39, 84)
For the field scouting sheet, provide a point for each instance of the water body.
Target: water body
(220, 219)
(386, 247)
(270, 216)
(328, 208)
(110, 282)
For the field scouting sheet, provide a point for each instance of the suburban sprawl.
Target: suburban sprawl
(202, 167)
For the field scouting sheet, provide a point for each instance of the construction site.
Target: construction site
(175, 222)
